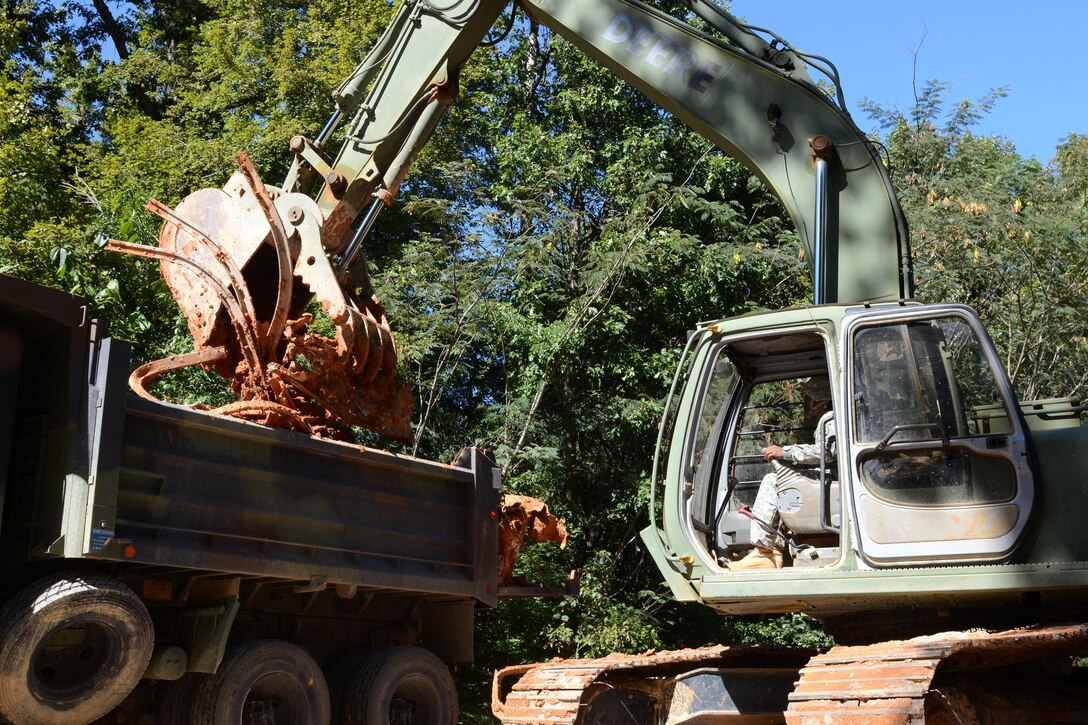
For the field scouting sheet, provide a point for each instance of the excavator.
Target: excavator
(938, 538)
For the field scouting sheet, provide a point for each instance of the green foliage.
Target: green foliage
(95, 121)
(600, 230)
(998, 232)
(1072, 163)
(791, 630)
(594, 623)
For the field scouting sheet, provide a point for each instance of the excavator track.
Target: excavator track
(554, 692)
(925, 679)
(640, 689)
(969, 677)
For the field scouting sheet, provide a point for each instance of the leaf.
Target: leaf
(59, 257)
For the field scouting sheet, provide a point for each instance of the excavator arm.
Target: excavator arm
(753, 98)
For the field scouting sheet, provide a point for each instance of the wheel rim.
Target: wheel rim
(74, 659)
(275, 699)
(414, 702)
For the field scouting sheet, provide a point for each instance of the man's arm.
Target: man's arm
(805, 454)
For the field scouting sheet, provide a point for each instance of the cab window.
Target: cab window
(923, 392)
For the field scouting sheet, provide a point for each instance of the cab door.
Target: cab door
(937, 448)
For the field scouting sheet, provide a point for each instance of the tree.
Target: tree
(93, 136)
(998, 232)
(603, 230)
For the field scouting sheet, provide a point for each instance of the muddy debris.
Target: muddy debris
(521, 517)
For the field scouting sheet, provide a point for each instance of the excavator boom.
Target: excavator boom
(767, 116)
(755, 102)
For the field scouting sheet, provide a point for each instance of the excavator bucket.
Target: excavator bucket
(246, 265)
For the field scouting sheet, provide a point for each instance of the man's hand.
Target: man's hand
(771, 453)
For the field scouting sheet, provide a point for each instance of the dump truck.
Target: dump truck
(147, 540)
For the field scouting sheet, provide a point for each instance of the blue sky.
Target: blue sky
(1034, 48)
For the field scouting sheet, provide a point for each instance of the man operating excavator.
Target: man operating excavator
(768, 542)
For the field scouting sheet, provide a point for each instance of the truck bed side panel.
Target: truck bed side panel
(203, 491)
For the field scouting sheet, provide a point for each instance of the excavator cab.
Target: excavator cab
(914, 516)
(922, 462)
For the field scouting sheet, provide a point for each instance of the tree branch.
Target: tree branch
(113, 28)
(117, 34)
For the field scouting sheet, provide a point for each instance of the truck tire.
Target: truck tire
(72, 647)
(402, 686)
(176, 703)
(263, 681)
(339, 675)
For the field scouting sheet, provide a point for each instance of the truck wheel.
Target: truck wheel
(72, 647)
(263, 681)
(402, 686)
